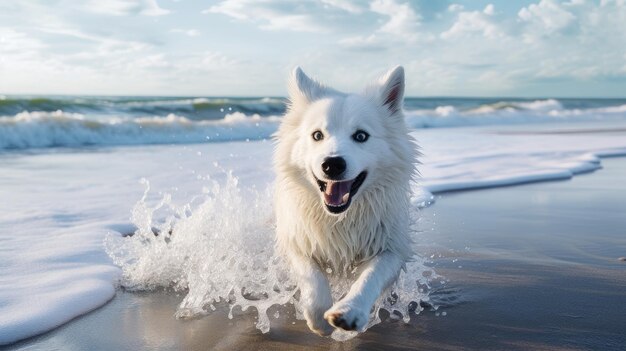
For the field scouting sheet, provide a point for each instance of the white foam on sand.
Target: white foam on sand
(62, 205)
(458, 160)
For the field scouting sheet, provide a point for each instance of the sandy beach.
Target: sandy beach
(526, 267)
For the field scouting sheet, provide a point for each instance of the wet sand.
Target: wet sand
(526, 267)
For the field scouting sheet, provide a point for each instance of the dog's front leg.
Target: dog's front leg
(352, 312)
(315, 296)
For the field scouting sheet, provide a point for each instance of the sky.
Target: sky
(539, 48)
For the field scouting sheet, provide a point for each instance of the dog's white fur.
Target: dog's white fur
(371, 236)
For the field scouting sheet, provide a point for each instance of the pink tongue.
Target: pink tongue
(337, 193)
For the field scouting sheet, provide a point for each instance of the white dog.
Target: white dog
(344, 163)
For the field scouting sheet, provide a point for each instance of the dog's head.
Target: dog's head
(343, 143)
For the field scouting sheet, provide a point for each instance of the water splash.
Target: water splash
(219, 248)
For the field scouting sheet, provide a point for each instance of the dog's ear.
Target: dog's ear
(304, 90)
(391, 89)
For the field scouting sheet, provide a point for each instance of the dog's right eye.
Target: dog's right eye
(317, 135)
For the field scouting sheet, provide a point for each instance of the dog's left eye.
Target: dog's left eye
(360, 136)
(317, 135)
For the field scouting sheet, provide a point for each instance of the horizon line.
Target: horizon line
(37, 95)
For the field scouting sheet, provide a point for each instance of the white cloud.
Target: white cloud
(187, 32)
(151, 8)
(548, 15)
(618, 3)
(153, 61)
(350, 6)
(235, 9)
(217, 60)
(325, 16)
(489, 10)
(576, 40)
(403, 20)
(474, 22)
(272, 14)
(102, 45)
(400, 26)
(456, 7)
(299, 23)
(14, 42)
(126, 7)
(365, 43)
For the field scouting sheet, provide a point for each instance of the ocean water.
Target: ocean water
(92, 188)
(42, 122)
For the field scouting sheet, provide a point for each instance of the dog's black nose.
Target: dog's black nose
(334, 167)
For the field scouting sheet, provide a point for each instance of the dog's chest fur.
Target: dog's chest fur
(376, 222)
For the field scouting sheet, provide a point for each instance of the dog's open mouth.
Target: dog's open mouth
(338, 194)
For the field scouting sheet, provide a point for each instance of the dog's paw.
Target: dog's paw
(317, 324)
(347, 317)
(321, 328)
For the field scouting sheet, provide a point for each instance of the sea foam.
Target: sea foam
(219, 248)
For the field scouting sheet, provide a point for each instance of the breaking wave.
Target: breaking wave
(74, 122)
(508, 113)
(195, 108)
(61, 129)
